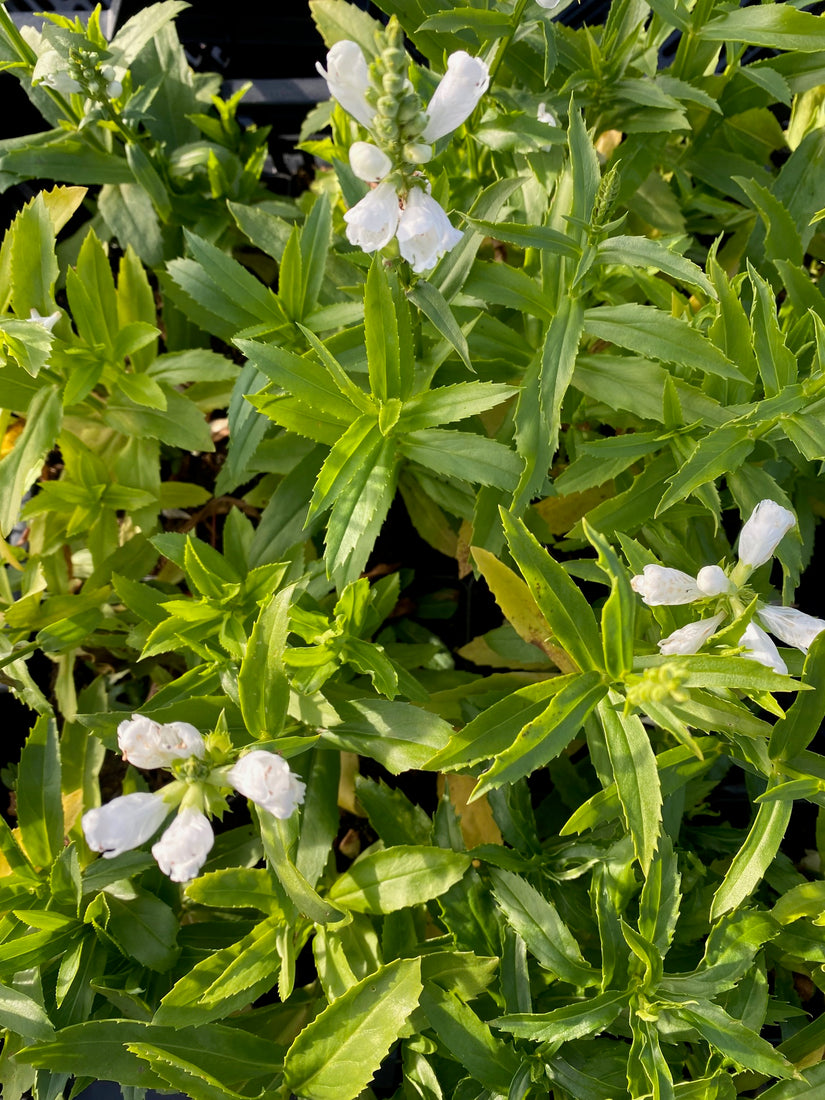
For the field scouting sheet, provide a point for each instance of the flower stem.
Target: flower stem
(504, 42)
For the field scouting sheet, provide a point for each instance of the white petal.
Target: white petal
(550, 5)
(791, 626)
(713, 581)
(462, 86)
(348, 78)
(759, 647)
(424, 231)
(147, 744)
(372, 222)
(763, 531)
(265, 779)
(690, 638)
(368, 162)
(183, 848)
(545, 116)
(124, 823)
(48, 322)
(658, 585)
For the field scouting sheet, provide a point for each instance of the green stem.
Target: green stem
(504, 43)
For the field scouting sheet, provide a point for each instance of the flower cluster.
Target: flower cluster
(399, 204)
(131, 819)
(761, 534)
(84, 73)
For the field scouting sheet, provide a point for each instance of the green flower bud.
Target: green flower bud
(388, 106)
(409, 108)
(393, 83)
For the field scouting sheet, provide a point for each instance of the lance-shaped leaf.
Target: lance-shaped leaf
(463, 455)
(754, 857)
(20, 468)
(381, 336)
(538, 414)
(776, 26)
(446, 404)
(299, 891)
(263, 688)
(468, 1039)
(437, 310)
(23, 1015)
(358, 513)
(335, 1055)
(651, 332)
(39, 809)
(542, 739)
(393, 878)
(573, 1021)
(644, 252)
(305, 379)
(660, 898)
(793, 733)
(733, 1040)
(559, 599)
(537, 921)
(619, 611)
(637, 779)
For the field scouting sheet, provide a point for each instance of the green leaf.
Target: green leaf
(180, 1074)
(735, 1041)
(574, 1021)
(34, 268)
(226, 980)
(21, 468)
(529, 236)
(446, 404)
(619, 611)
(392, 878)
(644, 252)
(398, 735)
(469, 1041)
(558, 598)
(143, 926)
(358, 447)
(717, 453)
(381, 335)
(263, 687)
(548, 735)
(637, 779)
(302, 377)
(793, 733)
(754, 857)
(335, 1056)
(429, 299)
(147, 176)
(299, 891)
(777, 26)
(651, 332)
(538, 413)
(659, 901)
(463, 455)
(537, 921)
(777, 364)
(39, 809)
(23, 1015)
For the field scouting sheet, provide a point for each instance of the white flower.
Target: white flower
(368, 162)
(47, 322)
(550, 5)
(658, 585)
(791, 626)
(265, 779)
(543, 115)
(124, 823)
(712, 580)
(462, 86)
(690, 638)
(424, 231)
(146, 744)
(372, 222)
(61, 82)
(763, 531)
(758, 647)
(183, 848)
(348, 78)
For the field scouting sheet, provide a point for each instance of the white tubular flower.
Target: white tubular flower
(424, 231)
(265, 779)
(146, 744)
(62, 83)
(712, 580)
(763, 531)
(368, 162)
(48, 322)
(550, 5)
(462, 86)
(658, 585)
(124, 823)
(183, 848)
(372, 222)
(347, 77)
(543, 115)
(791, 626)
(759, 647)
(690, 638)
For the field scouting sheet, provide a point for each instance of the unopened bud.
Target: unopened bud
(418, 152)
